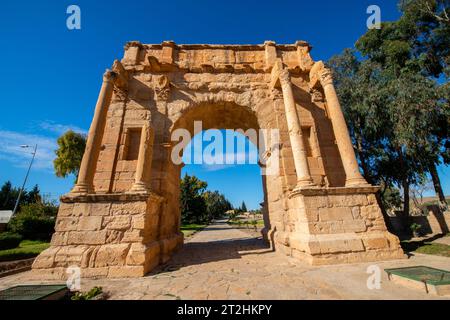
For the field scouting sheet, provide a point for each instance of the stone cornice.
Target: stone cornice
(109, 197)
(334, 191)
(133, 44)
(245, 47)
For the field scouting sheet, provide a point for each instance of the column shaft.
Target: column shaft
(142, 177)
(93, 144)
(341, 133)
(295, 132)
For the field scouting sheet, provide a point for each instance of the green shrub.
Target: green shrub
(9, 240)
(40, 209)
(415, 228)
(87, 295)
(32, 227)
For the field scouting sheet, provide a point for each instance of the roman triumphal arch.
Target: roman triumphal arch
(122, 218)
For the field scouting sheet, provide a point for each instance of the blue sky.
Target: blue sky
(51, 75)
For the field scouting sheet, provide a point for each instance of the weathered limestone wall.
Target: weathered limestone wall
(108, 236)
(339, 225)
(123, 217)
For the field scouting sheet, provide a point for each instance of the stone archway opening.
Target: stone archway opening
(223, 239)
(222, 135)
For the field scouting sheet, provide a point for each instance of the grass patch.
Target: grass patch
(190, 229)
(26, 249)
(248, 223)
(437, 249)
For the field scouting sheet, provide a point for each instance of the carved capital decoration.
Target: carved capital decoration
(109, 76)
(316, 95)
(121, 74)
(162, 88)
(284, 77)
(276, 94)
(120, 94)
(326, 77)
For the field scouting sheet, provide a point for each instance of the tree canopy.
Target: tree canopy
(199, 205)
(394, 91)
(70, 151)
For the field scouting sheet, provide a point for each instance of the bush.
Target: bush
(32, 227)
(40, 209)
(9, 240)
(95, 291)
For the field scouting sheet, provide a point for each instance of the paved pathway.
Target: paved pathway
(443, 240)
(222, 262)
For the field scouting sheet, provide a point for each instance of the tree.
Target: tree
(198, 205)
(9, 194)
(216, 204)
(417, 192)
(428, 25)
(192, 202)
(419, 42)
(397, 114)
(427, 22)
(70, 151)
(243, 207)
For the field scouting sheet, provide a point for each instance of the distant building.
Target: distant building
(5, 216)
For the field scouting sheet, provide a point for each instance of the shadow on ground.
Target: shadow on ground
(412, 245)
(194, 253)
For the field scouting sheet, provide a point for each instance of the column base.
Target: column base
(356, 182)
(82, 188)
(337, 225)
(305, 184)
(345, 248)
(139, 187)
(126, 260)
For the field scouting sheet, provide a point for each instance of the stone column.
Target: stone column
(143, 168)
(295, 132)
(93, 144)
(353, 176)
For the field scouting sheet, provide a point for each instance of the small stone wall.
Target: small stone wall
(436, 222)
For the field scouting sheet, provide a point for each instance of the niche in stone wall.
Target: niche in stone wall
(132, 141)
(306, 132)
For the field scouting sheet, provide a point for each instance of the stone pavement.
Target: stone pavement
(443, 240)
(222, 262)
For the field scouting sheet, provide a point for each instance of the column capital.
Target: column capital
(285, 78)
(162, 88)
(276, 94)
(109, 76)
(326, 77)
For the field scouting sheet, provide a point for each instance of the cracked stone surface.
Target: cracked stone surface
(222, 262)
